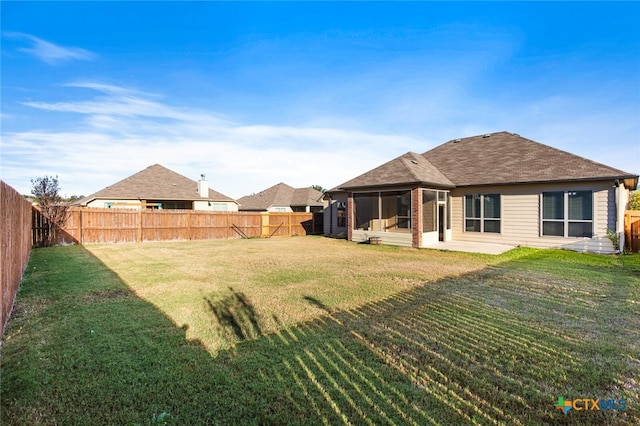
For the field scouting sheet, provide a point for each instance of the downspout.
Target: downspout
(619, 216)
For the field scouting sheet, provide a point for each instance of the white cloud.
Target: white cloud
(51, 53)
(123, 131)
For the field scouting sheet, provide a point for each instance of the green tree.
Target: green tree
(634, 200)
(46, 191)
(318, 188)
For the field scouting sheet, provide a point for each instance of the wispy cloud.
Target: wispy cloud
(51, 53)
(122, 131)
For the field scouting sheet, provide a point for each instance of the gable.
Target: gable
(408, 168)
(281, 194)
(155, 183)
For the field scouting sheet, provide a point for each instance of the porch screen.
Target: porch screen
(429, 211)
(367, 212)
(386, 211)
(396, 208)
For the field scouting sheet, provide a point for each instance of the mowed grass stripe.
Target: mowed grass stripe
(319, 331)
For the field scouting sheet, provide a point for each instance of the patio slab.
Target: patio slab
(471, 247)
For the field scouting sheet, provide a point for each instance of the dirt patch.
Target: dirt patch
(99, 296)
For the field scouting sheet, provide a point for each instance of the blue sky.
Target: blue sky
(253, 94)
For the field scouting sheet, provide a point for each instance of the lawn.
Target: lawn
(309, 330)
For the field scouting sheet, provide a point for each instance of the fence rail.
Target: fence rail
(15, 246)
(92, 225)
(632, 230)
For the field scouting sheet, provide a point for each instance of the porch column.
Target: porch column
(350, 218)
(416, 217)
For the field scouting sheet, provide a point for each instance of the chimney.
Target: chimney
(203, 188)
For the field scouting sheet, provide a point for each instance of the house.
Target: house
(157, 187)
(284, 198)
(496, 188)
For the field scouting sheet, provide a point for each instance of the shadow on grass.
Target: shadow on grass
(236, 315)
(476, 348)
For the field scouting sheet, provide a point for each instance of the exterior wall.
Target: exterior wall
(520, 216)
(225, 206)
(123, 204)
(280, 209)
(622, 197)
(331, 216)
(135, 204)
(416, 217)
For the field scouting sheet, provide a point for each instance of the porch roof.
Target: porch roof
(409, 168)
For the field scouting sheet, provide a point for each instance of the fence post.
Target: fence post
(189, 236)
(80, 227)
(139, 233)
(265, 231)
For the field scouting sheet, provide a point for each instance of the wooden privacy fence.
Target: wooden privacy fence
(92, 225)
(632, 230)
(15, 246)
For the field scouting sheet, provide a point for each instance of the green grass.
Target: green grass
(319, 331)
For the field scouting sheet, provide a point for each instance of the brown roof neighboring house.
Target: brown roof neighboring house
(281, 195)
(155, 183)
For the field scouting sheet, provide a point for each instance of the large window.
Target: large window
(482, 213)
(567, 213)
(387, 211)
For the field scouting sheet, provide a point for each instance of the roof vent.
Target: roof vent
(487, 135)
(456, 141)
(414, 161)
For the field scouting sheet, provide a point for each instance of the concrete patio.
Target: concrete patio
(471, 247)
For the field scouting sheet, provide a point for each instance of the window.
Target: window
(219, 207)
(567, 213)
(482, 213)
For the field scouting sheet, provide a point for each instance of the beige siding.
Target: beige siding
(521, 216)
(331, 217)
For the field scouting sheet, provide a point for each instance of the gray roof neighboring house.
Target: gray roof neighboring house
(493, 159)
(154, 183)
(281, 194)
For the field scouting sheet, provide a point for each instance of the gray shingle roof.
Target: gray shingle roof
(155, 183)
(499, 158)
(281, 194)
(408, 168)
(506, 158)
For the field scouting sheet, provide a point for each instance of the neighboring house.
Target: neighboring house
(157, 187)
(497, 188)
(284, 198)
